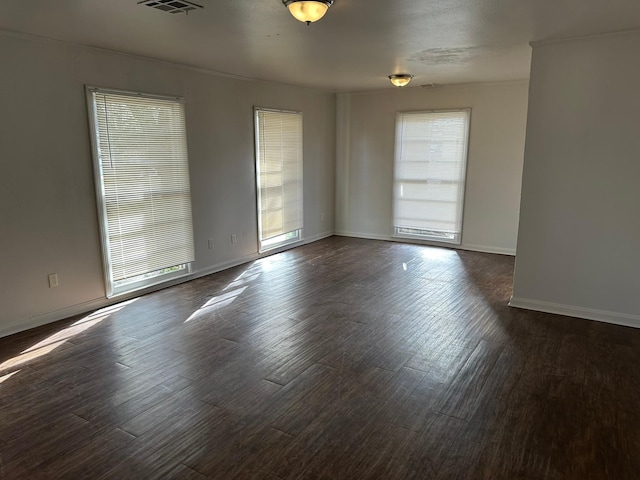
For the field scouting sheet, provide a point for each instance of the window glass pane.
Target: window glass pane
(279, 171)
(430, 165)
(142, 177)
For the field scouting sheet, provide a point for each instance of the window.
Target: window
(142, 185)
(430, 165)
(279, 177)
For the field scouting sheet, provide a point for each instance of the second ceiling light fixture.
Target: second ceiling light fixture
(308, 11)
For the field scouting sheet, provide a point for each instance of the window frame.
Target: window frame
(183, 269)
(294, 236)
(435, 237)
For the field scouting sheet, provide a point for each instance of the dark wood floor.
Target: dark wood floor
(343, 359)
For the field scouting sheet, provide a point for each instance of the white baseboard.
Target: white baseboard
(616, 318)
(367, 236)
(254, 256)
(388, 238)
(90, 305)
(489, 249)
(54, 316)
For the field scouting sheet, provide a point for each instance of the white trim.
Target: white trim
(207, 71)
(54, 316)
(161, 279)
(479, 83)
(461, 182)
(254, 256)
(112, 290)
(90, 89)
(367, 236)
(85, 307)
(579, 38)
(617, 318)
(388, 238)
(258, 160)
(490, 249)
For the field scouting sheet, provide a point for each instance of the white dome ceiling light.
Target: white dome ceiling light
(308, 11)
(400, 79)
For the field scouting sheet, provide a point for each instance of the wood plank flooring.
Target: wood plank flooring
(342, 359)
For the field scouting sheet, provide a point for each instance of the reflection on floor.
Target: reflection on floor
(342, 359)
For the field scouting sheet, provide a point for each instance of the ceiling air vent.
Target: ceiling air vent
(171, 6)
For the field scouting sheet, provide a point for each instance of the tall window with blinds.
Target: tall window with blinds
(142, 184)
(279, 177)
(430, 166)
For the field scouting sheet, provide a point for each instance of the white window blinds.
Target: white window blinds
(279, 172)
(142, 177)
(430, 165)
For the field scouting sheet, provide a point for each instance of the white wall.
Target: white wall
(47, 202)
(578, 247)
(365, 152)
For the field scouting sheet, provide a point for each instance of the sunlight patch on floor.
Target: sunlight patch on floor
(8, 376)
(216, 303)
(52, 342)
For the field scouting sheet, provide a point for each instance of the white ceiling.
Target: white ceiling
(355, 47)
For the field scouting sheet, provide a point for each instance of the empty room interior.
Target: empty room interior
(331, 239)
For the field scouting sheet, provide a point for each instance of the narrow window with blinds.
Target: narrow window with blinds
(279, 177)
(430, 166)
(142, 185)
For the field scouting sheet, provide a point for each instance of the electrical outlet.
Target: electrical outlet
(53, 280)
(322, 216)
(210, 244)
(234, 238)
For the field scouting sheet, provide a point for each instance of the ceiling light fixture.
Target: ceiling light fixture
(308, 11)
(400, 79)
